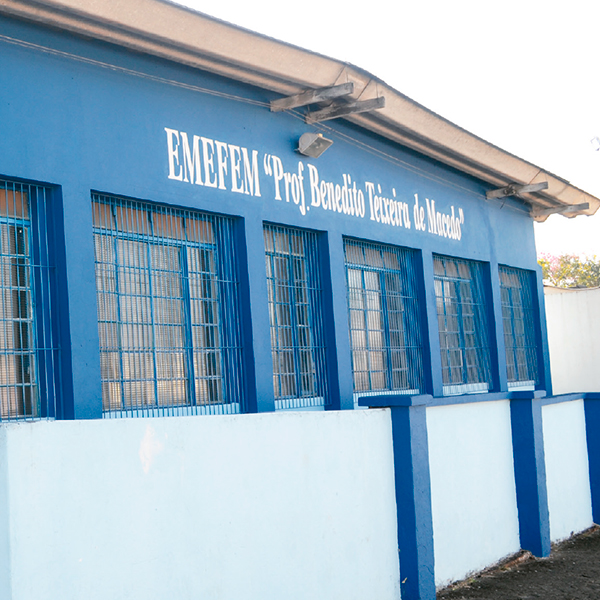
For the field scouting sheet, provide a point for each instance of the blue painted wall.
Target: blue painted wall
(83, 115)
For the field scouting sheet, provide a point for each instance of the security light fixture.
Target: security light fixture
(313, 144)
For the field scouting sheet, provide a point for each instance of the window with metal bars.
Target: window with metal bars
(168, 312)
(519, 318)
(384, 314)
(29, 349)
(463, 327)
(297, 333)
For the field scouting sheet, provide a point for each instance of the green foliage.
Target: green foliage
(570, 271)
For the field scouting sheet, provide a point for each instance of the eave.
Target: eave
(178, 34)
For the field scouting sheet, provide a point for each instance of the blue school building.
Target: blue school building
(199, 220)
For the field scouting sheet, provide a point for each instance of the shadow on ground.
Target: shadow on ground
(571, 572)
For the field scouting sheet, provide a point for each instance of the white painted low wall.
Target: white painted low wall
(296, 505)
(271, 506)
(5, 586)
(474, 505)
(567, 469)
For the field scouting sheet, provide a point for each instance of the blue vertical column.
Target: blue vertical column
(330, 284)
(433, 362)
(591, 405)
(496, 328)
(420, 278)
(57, 298)
(541, 332)
(413, 492)
(245, 303)
(76, 304)
(530, 471)
(335, 309)
(255, 309)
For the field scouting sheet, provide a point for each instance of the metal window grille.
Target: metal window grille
(384, 319)
(168, 312)
(462, 323)
(29, 349)
(297, 333)
(519, 318)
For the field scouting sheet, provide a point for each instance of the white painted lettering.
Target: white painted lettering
(287, 178)
(277, 175)
(315, 195)
(361, 204)
(251, 181)
(295, 185)
(208, 160)
(237, 185)
(370, 189)
(222, 156)
(191, 160)
(338, 198)
(393, 214)
(173, 154)
(303, 207)
(330, 196)
(406, 215)
(204, 161)
(431, 216)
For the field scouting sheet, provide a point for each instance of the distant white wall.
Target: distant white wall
(475, 519)
(567, 474)
(271, 506)
(573, 318)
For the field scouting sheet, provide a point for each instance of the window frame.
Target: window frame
(530, 318)
(298, 388)
(410, 318)
(34, 266)
(179, 230)
(472, 304)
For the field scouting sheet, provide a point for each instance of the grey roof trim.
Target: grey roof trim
(179, 34)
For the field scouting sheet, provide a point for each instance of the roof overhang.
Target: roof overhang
(179, 34)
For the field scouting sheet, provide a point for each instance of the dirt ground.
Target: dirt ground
(571, 572)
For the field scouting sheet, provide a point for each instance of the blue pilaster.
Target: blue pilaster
(245, 299)
(496, 328)
(413, 492)
(433, 362)
(541, 334)
(336, 322)
(329, 326)
(255, 316)
(592, 428)
(530, 471)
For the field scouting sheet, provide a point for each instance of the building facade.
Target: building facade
(167, 249)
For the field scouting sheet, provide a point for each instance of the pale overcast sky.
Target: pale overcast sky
(521, 74)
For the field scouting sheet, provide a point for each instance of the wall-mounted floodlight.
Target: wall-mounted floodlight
(313, 144)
